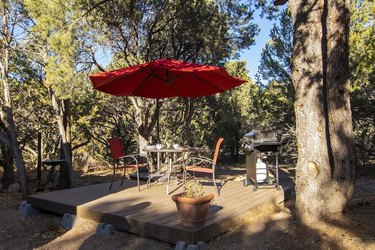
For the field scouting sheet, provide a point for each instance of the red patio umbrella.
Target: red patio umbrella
(165, 78)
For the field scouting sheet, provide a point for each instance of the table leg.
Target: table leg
(277, 171)
(169, 173)
(158, 157)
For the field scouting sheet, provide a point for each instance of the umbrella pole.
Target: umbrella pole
(157, 121)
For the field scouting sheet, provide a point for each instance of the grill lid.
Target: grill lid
(261, 135)
(261, 140)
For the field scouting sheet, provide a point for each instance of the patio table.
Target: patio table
(170, 152)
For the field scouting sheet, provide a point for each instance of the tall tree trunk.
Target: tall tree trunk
(7, 108)
(142, 141)
(145, 122)
(61, 111)
(325, 167)
(64, 177)
(39, 160)
(8, 161)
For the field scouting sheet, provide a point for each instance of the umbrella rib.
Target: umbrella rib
(140, 86)
(122, 76)
(209, 83)
(174, 85)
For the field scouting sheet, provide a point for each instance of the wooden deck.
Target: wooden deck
(151, 212)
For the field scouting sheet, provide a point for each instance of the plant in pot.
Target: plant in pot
(193, 204)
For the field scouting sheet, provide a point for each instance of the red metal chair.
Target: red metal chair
(197, 164)
(122, 161)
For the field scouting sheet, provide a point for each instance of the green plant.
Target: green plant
(193, 189)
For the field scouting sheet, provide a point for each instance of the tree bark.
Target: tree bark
(325, 168)
(145, 122)
(8, 161)
(39, 160)
(61, 111)
(7, 108)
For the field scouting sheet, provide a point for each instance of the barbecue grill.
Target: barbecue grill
(259, 146)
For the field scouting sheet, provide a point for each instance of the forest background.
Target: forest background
(49, 47)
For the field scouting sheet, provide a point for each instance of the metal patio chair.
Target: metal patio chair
(201, 164)
(122, 161)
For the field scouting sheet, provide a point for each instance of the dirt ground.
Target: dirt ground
(268, 227)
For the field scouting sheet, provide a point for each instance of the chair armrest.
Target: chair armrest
(204, 157)
(199, 160)
(129, 157)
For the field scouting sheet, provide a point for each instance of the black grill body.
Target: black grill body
(261, 145)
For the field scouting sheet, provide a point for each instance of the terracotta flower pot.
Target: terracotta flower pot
(192, 211)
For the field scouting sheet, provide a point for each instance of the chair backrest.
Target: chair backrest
(116, 147)
(217, 148)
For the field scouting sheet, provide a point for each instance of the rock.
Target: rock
(201, 245)
(180, 245)
(69, 221)
(14, 187)
(192, 247)
(105, 230)
(27, 210)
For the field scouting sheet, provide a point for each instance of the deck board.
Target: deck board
(152, 212)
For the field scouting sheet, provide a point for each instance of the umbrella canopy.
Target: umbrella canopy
(165, 78)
